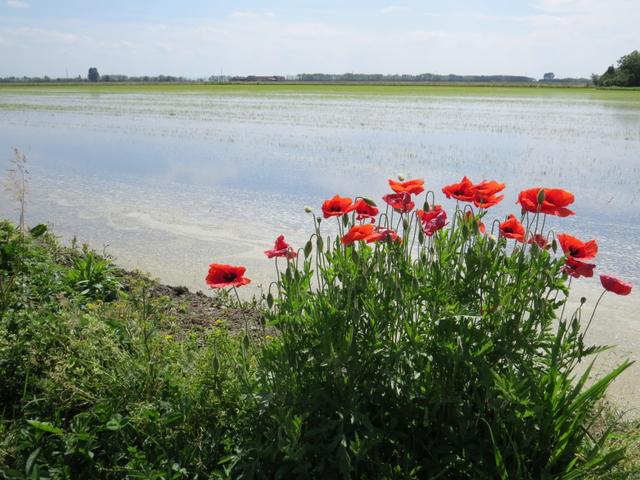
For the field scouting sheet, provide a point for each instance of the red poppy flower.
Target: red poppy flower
(381, 233)
(488, 188)
(357, 233)
(575, 248)
(578, 269)
(222, 276)
(337, 206)
(485, 193)
(365, 210)
(554, 203)
(512, 228)
(460, 191)
(281, 249)
(486, 202)
(615, 285)
(433, 220)
(410, 186)
(539, 240)
(400, 202)
(470, 217)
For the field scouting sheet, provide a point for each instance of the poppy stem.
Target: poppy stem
(594, 312)
(566, 298)
(277, 276)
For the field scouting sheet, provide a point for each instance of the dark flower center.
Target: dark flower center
(229, 276)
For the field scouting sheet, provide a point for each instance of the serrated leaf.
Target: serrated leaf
(45, 427)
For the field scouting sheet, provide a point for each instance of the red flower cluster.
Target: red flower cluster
(577, 269)
(365, 210)
(432, 220)
(368, 233)
(222, 276)
(410, 186)
(281, 249)
(577, 251)
(512, 228)
(483, 194)
(337, 206)
(615, 285)
(552, 201)
(400, 202)
(575, 248)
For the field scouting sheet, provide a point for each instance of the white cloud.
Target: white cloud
(16, 4)
(390, 9)
(251, 14)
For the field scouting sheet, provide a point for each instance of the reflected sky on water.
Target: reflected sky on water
(173, 181)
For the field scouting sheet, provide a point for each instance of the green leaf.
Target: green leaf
(38, 230)
(30, 461)
(45, 427)
(115, 423)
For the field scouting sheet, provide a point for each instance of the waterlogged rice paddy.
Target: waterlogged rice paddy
(169, 178)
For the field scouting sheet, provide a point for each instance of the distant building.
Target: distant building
(258, 78)
(548, 76)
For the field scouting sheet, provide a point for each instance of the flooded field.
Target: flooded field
(170, 179)
(174, 178)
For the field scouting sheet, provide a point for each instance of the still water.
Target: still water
(169, 182)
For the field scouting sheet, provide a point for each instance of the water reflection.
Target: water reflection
(177, 179)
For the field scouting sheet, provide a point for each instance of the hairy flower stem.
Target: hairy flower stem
(594, 312)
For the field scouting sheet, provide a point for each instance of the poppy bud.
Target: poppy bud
(554, 246)
(307, 249)
(216, 364)
(245, 345)
(405, 224)
(319, 244)
(308, 209)
(583, 300)
(401, 177)
(541, 196)
(270, 300)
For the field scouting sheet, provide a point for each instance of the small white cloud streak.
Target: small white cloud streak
(390, 9)
(17, 4)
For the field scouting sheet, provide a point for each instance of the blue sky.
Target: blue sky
(198, 38)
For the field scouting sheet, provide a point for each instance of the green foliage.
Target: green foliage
(96, 389)
(439, 361)
(434, 357)
(626, 75)
(93, 276)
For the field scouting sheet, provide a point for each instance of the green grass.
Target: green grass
(332, 89)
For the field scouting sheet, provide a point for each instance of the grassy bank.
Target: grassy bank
(333, 89)
(105, 373)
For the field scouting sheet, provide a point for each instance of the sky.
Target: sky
(199, 38)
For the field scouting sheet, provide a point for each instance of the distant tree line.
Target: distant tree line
(626, 75)
(423, 77)
(94, 77)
